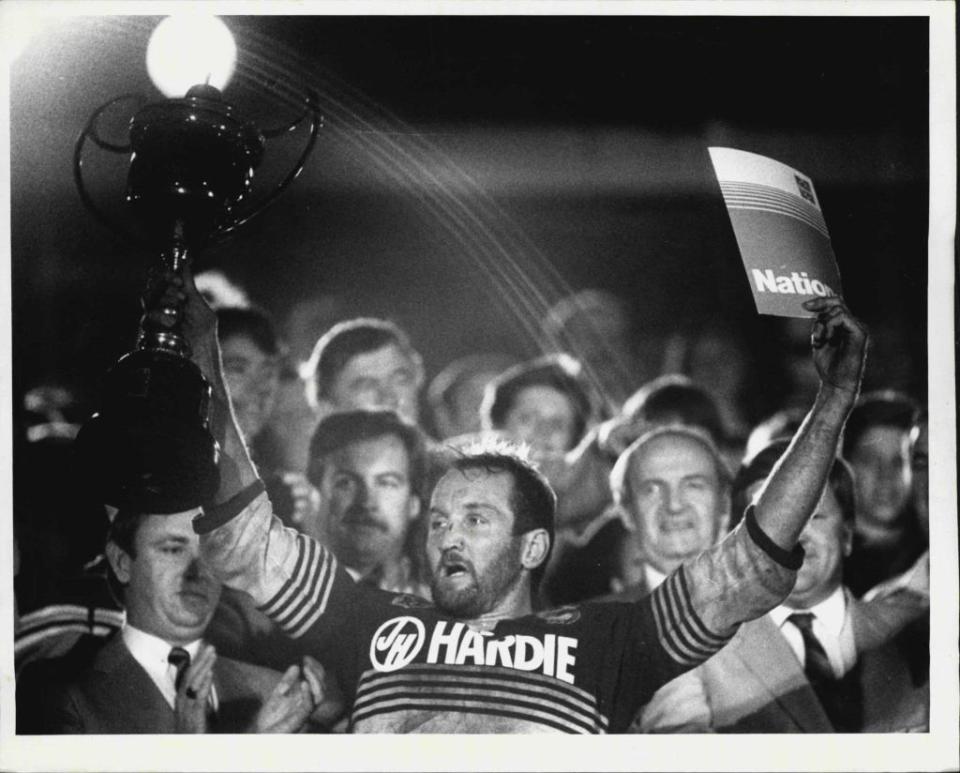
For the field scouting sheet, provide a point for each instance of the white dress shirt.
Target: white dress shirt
(152, 653)
(829, 626)
(654, 577)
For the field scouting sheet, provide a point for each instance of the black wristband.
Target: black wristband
(789, 559)
(214, 517)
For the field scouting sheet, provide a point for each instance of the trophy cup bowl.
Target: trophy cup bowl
(149, 448)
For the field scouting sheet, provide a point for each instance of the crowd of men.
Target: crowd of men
(550, 551)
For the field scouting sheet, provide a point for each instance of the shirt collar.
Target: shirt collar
(147, 647)
(830, 613)
(653, 576)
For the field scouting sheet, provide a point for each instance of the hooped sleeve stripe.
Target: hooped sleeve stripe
(680, 630)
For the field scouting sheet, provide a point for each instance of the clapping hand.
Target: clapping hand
(297, 695)
(192, 704)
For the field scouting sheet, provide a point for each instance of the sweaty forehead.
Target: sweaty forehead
(473, 487)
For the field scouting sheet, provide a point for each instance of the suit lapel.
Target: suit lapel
(767, 655)
(132, 695)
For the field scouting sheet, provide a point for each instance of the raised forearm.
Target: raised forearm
(796, 484)
(237, 470)
(794, 488)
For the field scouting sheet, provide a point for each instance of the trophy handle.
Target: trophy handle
(316, 121)
(91, 130)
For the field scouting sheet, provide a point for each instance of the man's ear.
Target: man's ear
(723, 517)
(119, 561)
(536, 545)
(413, 508)
(847, 538)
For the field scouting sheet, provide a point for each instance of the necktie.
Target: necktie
(816, 664)
(179, 658)
(840, 698)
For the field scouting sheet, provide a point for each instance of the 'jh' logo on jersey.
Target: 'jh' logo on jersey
(396, 643)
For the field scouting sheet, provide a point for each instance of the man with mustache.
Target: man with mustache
(481, 660)
(368, 466)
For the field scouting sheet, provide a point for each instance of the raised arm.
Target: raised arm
(199, 326)
(754, 567)
(292, 578)
(794, 487)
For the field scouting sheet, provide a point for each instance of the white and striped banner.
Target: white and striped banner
(780, 229)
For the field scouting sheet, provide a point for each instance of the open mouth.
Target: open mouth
(454, 568)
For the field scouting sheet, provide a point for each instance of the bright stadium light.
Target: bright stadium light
(190, 49)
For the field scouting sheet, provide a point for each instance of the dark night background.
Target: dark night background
(585, 139)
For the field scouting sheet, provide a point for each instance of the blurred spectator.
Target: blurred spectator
(888, 538)
(366, 363)
(251, 354)
(820, 662)
(543, 403)
(669, 399)
(716, 356)
(595, 327)
(455, 394)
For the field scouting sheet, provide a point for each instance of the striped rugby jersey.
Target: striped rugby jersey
(404, 666)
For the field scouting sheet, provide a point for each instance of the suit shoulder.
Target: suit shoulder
(47, 700)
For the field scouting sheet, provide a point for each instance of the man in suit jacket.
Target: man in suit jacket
(157, 675)
(821, 662)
